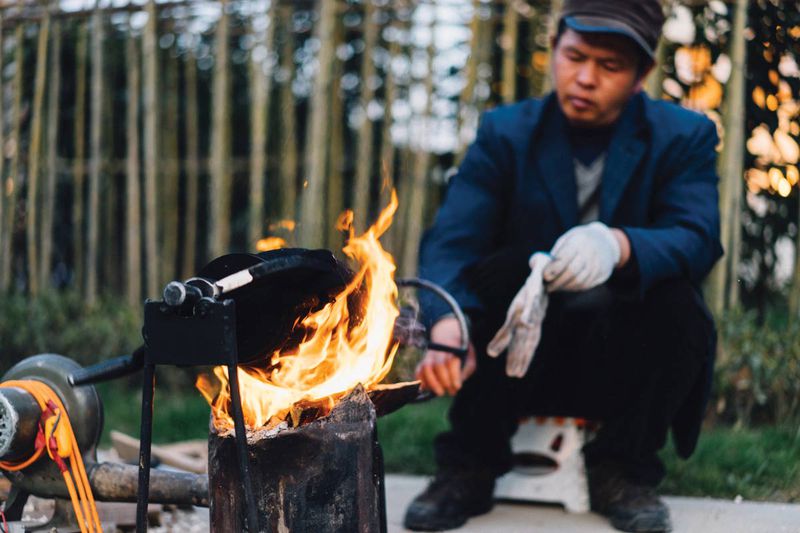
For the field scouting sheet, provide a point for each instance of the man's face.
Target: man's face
(595, 75)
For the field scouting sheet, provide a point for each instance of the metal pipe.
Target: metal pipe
(420, 283)
(118, 483)
(115, 482)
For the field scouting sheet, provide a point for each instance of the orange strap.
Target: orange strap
(59, 446)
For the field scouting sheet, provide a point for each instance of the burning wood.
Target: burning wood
(346, 343)
(326, 475)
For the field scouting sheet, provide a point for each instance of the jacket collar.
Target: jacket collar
(553, 159)
(628, 146)
(552, 156)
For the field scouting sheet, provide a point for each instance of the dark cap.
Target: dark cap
(640, 20)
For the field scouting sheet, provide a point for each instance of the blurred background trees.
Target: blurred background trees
(141, 138)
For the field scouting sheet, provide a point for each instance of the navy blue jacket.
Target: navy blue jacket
(516, 187)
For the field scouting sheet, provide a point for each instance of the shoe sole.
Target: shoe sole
(434, 525)
(642, 524)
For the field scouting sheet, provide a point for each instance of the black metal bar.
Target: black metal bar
(14, 505)
(241, 450)
(108, 370)
(379, 472)
(449, 300)
(145, 440)
(458, 352)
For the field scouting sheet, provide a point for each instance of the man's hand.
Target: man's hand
(441, 372)
(585, 257)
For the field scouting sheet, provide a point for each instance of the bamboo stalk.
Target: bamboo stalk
(312, 230)
(171, 165)
(49, 191)
(723, 286)
(34, 158)
(404, 177)
(133, 218)
(261, 90)
(13, 178)
(335, 178)
(655, 80)
(79, 163)
(192, 167)
(3, 236)
(535, 27)
(555, 12)
(288, 188)
(151, 140)
(95, 158)
(406, 189)
(471, 75)
(467, 98)
(485, 53)
(258, 127)
(219, 221)
(509, 39)
(364, 159)
(388, 150)
(109, 245)
(422, 159)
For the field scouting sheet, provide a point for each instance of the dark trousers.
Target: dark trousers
(628, 364)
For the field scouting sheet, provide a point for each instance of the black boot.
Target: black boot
(628, 505)
(450, 500)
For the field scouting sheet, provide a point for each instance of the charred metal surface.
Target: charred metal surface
(19, 423)
(389, 398)
(325, 476)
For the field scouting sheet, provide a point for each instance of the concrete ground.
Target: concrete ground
(689, 515)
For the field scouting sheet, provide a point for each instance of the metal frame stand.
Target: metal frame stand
(205, 337)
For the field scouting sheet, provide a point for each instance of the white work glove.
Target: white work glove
(583, 258)
(522, 329)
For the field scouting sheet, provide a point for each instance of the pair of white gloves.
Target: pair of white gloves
(582, 258)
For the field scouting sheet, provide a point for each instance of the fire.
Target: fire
(342, 351)
(270, 243)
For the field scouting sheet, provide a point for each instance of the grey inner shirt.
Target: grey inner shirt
(588, 179)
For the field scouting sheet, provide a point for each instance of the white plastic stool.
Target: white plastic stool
(548, 464)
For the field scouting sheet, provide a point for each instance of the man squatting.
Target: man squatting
(621, 191)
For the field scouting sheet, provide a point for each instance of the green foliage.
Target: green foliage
(758, 369)
(59, 322)
(761, 464)
(407, 436)
(178, 416)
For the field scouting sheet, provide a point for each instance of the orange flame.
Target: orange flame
(270, 243)
(343, 351)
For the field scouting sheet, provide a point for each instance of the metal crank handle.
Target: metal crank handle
(458, 352)
(108, 370)
(420, 283)
(461, 351)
